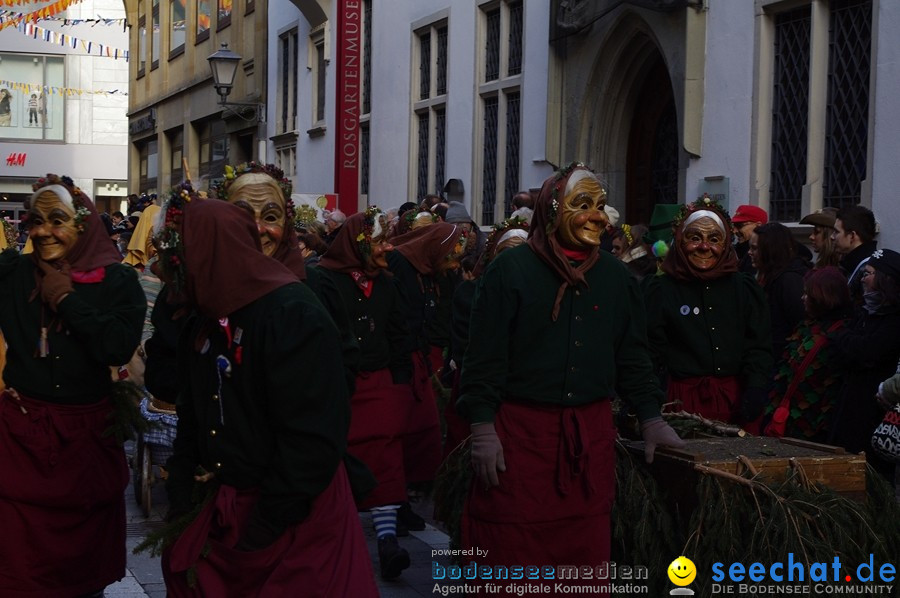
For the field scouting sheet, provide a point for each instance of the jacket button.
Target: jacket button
(577, 343)
(577, 318)
(570, 395)
(212, 432)
(215, 397)
(218, 466)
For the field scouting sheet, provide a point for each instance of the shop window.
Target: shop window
(33, 107)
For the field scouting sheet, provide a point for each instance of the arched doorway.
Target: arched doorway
(651, 168)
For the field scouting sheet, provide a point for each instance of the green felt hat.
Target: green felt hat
(661, 221)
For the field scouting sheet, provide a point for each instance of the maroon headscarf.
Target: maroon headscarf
(225, 268)
(345, 253)
(93, 248)
(427, 247)
(543, 238)
(677, 264)
(288, 250)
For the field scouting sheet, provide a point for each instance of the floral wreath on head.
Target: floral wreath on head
(561, 175)
(364, 238)
(411, 216)
(167, 239)
(497, 231)
(232, 173)
(303, 217)
(78, 198)
(705, 202)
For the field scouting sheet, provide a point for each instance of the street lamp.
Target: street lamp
(224, 63)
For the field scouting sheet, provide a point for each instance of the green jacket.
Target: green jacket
(595, 349)
(276, 418)
(717, 328)
(97, 326)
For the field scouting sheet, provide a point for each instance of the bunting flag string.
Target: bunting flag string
(9, 14)
(26, 88)
(36, 15)
(64, 39)
(19, 2)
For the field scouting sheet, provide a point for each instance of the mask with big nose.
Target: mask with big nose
(582, 219)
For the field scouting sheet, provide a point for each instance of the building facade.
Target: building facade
(177, 126)
(63, 99)
(769, 102)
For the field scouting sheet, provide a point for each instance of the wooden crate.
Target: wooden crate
(770, 458)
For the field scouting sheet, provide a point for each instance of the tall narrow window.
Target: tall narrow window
(176, 145)
(213, 149)
(366, 108)
(846, 130)
(430, 108)
(142, 39)
(204, 14)
(320, 81)
(790, 113)
(177, 33)
(501, 37)
(489, 158)
(149, 166)
(287, 82)
(364, 158)
(223, 13)
(154, 40)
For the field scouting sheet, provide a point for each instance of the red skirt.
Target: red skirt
(553, 503)
(322, 557)
(422, 436)
(380, 408)
(713, 398)
(62, 499)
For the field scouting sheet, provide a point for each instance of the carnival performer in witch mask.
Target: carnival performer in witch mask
(709, 323)
(264, 193)
(352, 272)
(420, 263)
(272, 439)
(541, 421)
(582, 219)
(69, 311)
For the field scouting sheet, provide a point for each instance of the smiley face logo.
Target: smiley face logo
(682, 571)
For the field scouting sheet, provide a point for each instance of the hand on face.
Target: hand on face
(582, 219)
(51, 227)
(268, 210)
(703, 243)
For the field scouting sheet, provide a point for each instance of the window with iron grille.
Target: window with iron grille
(846, 129)
(489, 158)
(500, 29)
(801, 129)
(430, 109)
(422, 163)
(790, 113)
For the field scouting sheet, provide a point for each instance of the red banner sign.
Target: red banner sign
(349, 58)
(16, 159)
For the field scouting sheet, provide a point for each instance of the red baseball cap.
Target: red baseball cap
(748, 213)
